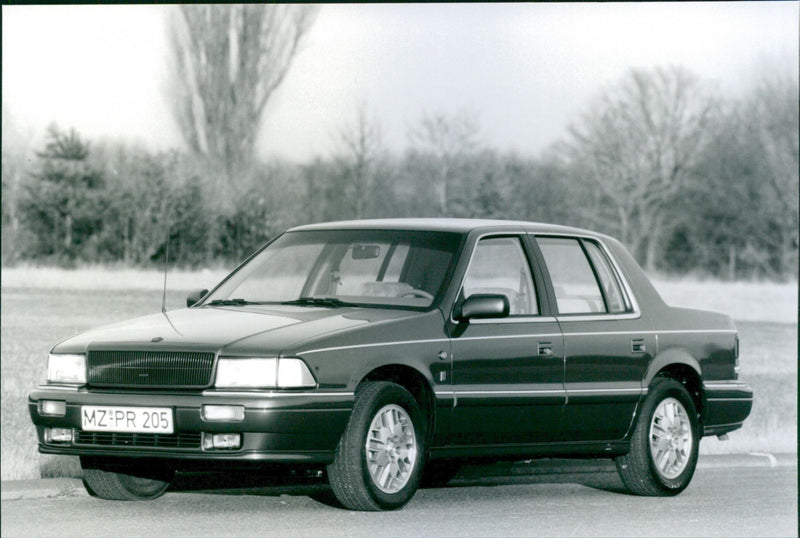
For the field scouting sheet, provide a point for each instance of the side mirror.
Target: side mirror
(195, 296)
(483, 306)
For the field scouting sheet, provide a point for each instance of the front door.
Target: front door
(508, 372)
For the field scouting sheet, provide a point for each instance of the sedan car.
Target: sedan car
(371, 348)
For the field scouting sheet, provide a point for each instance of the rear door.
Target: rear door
(608, 343)
(508, 372)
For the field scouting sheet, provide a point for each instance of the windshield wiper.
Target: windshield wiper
(229, 302)
(319, 301)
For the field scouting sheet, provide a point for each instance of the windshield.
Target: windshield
(344, 267)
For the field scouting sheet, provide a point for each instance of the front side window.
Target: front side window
(499, 266)
(365, 268)
(574, 282)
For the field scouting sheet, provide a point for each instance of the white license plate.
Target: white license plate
(98, 418)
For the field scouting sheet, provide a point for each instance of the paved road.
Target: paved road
(732, 501)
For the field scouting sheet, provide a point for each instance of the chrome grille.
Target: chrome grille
(180, 440)
(150, 369)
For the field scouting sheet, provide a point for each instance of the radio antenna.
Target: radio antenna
(166, 265)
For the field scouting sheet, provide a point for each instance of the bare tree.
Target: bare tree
(16, 155)
(363, 146)
(449, 139)
(635, 149)
(227, 60)
(772, 114)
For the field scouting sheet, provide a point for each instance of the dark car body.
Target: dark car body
(542, 384)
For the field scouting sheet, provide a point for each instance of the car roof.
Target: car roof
(444, 225)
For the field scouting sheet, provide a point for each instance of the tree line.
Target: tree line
(689, 180)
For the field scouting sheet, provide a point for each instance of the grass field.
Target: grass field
(40, 307)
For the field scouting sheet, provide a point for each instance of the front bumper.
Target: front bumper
(727, 405)
(278, 426)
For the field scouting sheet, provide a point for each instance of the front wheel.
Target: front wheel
(379, 459)
(117, 481)
(665, 443)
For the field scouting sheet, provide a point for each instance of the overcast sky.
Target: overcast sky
(526, 70)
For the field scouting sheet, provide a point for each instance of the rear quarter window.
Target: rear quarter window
(615, 299)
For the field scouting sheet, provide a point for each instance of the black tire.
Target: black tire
(108, 479)
(664, 449)
(350, 474)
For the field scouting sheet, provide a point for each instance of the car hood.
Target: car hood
(239, 329)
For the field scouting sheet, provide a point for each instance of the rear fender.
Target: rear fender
(667, 358)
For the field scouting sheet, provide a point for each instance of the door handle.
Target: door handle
(545, 349)
(637, 345)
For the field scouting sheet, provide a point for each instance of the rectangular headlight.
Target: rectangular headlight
(66, 368)
(243, 373)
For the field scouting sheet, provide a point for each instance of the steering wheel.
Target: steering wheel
(417, 293)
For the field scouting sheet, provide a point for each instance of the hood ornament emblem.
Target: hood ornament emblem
(157, 339)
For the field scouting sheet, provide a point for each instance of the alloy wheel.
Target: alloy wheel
(670, 438)
(391, 448)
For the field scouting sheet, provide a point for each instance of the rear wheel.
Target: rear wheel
(665, 443)
(118, 481)
(379, 459)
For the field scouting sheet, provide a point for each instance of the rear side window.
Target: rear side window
(576, 288)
